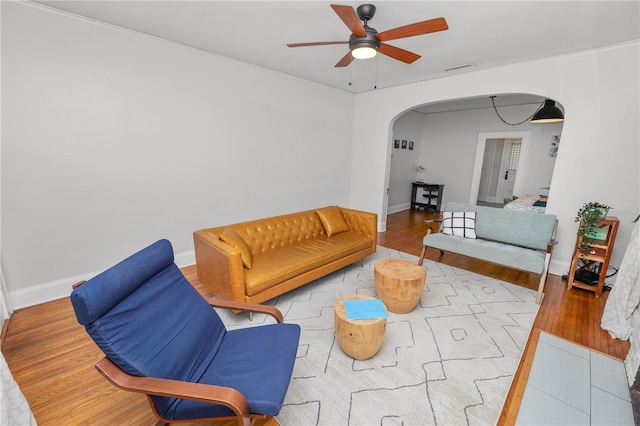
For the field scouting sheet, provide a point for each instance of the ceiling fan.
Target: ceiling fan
(365, 41)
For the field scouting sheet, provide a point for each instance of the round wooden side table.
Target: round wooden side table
(360, 339)
(399, 284)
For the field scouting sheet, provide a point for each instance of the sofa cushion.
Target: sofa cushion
(275, 266)
(232, 238)
(332, 220)
(461, 224)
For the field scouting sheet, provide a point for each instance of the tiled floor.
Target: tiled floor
(571, 385)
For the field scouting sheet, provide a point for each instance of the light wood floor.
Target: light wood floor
(51, 357)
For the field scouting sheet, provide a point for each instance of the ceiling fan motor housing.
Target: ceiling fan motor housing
(370, 40)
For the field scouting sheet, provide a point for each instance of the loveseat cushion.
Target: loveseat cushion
(275, 266)
(332, 220)
(503, 254)
(525, 229)
(231, 237)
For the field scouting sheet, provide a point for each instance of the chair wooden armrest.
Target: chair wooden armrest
(552, 242)
(228, 397)
(247, 307)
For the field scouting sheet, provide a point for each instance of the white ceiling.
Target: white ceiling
(484, 34)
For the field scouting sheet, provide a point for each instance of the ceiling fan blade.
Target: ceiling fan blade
(317, 43)
(350, 18)
(399, 54)
(345, 61)
(419, 28)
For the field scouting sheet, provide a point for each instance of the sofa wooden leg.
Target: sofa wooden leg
(424, 251)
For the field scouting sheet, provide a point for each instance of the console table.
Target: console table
(427, 195)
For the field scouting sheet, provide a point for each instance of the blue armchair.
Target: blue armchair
(163, 339)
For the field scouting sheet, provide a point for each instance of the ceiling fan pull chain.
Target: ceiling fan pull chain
(375, 82)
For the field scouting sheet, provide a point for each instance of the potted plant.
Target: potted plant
(590, 217)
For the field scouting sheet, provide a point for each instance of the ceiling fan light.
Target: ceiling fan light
(364, 52)
(549, 113)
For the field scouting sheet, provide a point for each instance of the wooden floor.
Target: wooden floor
(51, 357)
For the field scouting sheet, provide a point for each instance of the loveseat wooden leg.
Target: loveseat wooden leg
(543, 278)
(424, 251)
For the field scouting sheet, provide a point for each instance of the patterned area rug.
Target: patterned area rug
(449, 361)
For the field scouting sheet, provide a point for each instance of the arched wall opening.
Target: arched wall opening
(600, 126)
(447, 139)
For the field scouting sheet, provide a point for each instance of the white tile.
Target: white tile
(564, 345)
(609, 410)
(609, 375)
(562, 375)
(538, 408)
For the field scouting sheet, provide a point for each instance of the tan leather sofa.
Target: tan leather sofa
(257, 260)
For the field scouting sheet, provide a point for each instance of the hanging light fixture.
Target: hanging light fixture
(546, 113)
(549, 113)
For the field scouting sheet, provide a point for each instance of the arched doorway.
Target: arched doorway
(447, 146)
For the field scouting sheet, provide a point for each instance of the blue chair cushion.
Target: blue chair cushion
(270, 350)
(150, 321)
(107, 289)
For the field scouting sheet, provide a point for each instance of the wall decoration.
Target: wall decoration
(410, 145)
(555, 142)
(396, 143)
(404, 144)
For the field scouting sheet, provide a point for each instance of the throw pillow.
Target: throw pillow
(332, 220)
(461, 224)
(232, 238)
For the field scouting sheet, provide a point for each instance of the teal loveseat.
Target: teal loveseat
(518, 240)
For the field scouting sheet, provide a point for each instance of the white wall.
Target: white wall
(599, 152)
(450, 140)
(112, 140)
(404, 162)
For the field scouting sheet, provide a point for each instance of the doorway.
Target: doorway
(499, 158)
(499, 170)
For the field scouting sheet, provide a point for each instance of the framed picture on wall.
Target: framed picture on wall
(404, 144)
(410, 145)
(396, 143)
(555, 144)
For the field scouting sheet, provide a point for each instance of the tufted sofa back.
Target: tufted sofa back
(266, 234)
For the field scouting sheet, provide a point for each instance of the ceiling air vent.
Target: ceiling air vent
(459, 67)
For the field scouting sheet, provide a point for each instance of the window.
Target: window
(514, 155)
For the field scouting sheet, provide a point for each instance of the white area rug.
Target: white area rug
(448, 362)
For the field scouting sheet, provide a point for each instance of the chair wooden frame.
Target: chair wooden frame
(229, 397)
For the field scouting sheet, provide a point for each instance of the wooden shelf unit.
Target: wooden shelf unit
(598, 259)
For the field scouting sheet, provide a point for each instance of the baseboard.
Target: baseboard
(559, 268)
(59, 289)
(399, 208)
